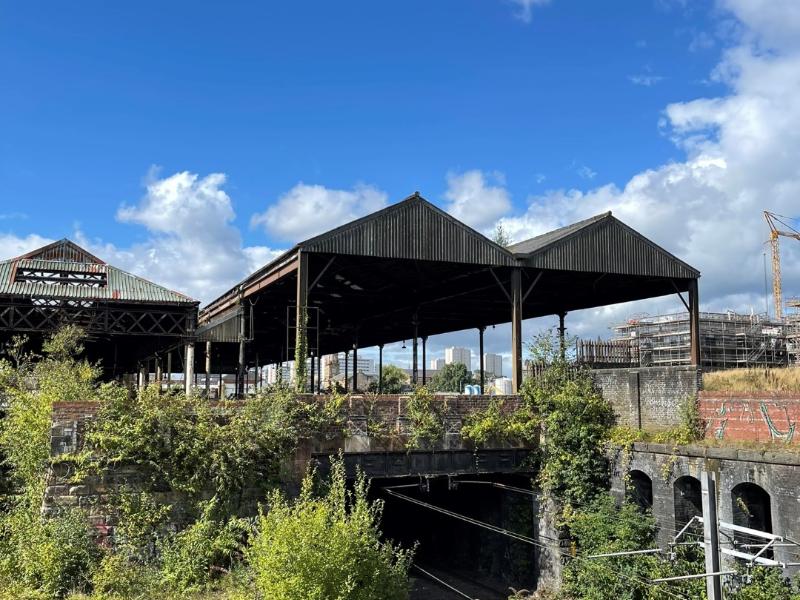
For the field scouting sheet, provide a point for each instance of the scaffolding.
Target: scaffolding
(727, 340)
(793, 331)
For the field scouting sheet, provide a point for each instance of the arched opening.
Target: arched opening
(688, 501)
(751, 508)
(639, 489)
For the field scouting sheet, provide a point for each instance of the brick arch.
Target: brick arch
(688, 503)
(752, 506)
(639, 489)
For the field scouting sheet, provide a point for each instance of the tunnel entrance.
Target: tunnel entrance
(481, 563)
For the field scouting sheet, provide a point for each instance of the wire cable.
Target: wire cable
(442, 582)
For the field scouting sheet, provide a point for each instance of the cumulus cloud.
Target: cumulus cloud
(12, 245)
(306, 210)
(525, 8)
(193, 245)
(474, 199)
(740, 159)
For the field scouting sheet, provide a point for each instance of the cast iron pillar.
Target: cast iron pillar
(481, 329)
(694, 323)
(516, 330)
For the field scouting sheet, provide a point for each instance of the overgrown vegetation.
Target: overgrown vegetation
(752, 380)
(497, 424)
(327, 546)
(178, 527)
(576, 421)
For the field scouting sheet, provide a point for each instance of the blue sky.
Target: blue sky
(391, 94)
(190, 141)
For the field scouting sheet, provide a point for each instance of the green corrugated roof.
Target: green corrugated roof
(66, 256)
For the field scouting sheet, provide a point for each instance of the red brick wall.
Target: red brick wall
(752, 416)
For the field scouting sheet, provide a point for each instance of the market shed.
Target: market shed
(411, 270)
(126, 318)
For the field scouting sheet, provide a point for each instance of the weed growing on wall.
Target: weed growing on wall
(576, 422)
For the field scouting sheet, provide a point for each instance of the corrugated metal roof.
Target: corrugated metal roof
(601, 244)
(412, 229)
(540, 241)
(114, 285)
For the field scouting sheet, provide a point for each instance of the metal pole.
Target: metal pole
(346, 369)
(241, 373)
(481, 329)
(424, 358)
(380, 368)
(301, 331)
(516, 331)
(312, 370)
(208, 369)
(562, 335)
(711, 535)
(414, 352)
(355, 366)
(694, 323)
(169, 370)
(158, 372)
(188, 369)
(319, 374)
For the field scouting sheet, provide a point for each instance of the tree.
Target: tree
(500, 236)
(452, 378)
(327, 546)
(393, 380)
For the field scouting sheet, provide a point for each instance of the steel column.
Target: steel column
(208, 369)
(188, 370)
(694, 323)
(424, 358)
(355, 366)
(380, 368)
(516, 330)
(301, 339)
(481, 329)
(562, 336)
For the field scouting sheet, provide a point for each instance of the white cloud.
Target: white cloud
(474, 200)
(12, 246)
(306, 210)
(586, 172)
(193, 245)
(741, 158)
(525, 8)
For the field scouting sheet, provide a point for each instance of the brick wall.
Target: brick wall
(751, 417)
(648, 397)
(69, 420)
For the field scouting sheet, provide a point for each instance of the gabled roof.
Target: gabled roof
(63, 250)
(411, 229)
(65, 271)
(601, 244)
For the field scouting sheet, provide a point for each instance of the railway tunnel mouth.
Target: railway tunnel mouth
(464, 531)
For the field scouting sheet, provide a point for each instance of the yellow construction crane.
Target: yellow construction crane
(775, 232)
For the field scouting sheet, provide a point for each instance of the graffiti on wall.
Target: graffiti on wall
(750, 419)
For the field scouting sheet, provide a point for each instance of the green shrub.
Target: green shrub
(47, 555)
(327, 547)
(425, 414)
(202, 552)
(497, 424)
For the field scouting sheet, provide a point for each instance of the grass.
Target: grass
(753, 380)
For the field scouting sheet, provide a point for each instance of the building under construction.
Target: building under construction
(793, 331)
(727, 341)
